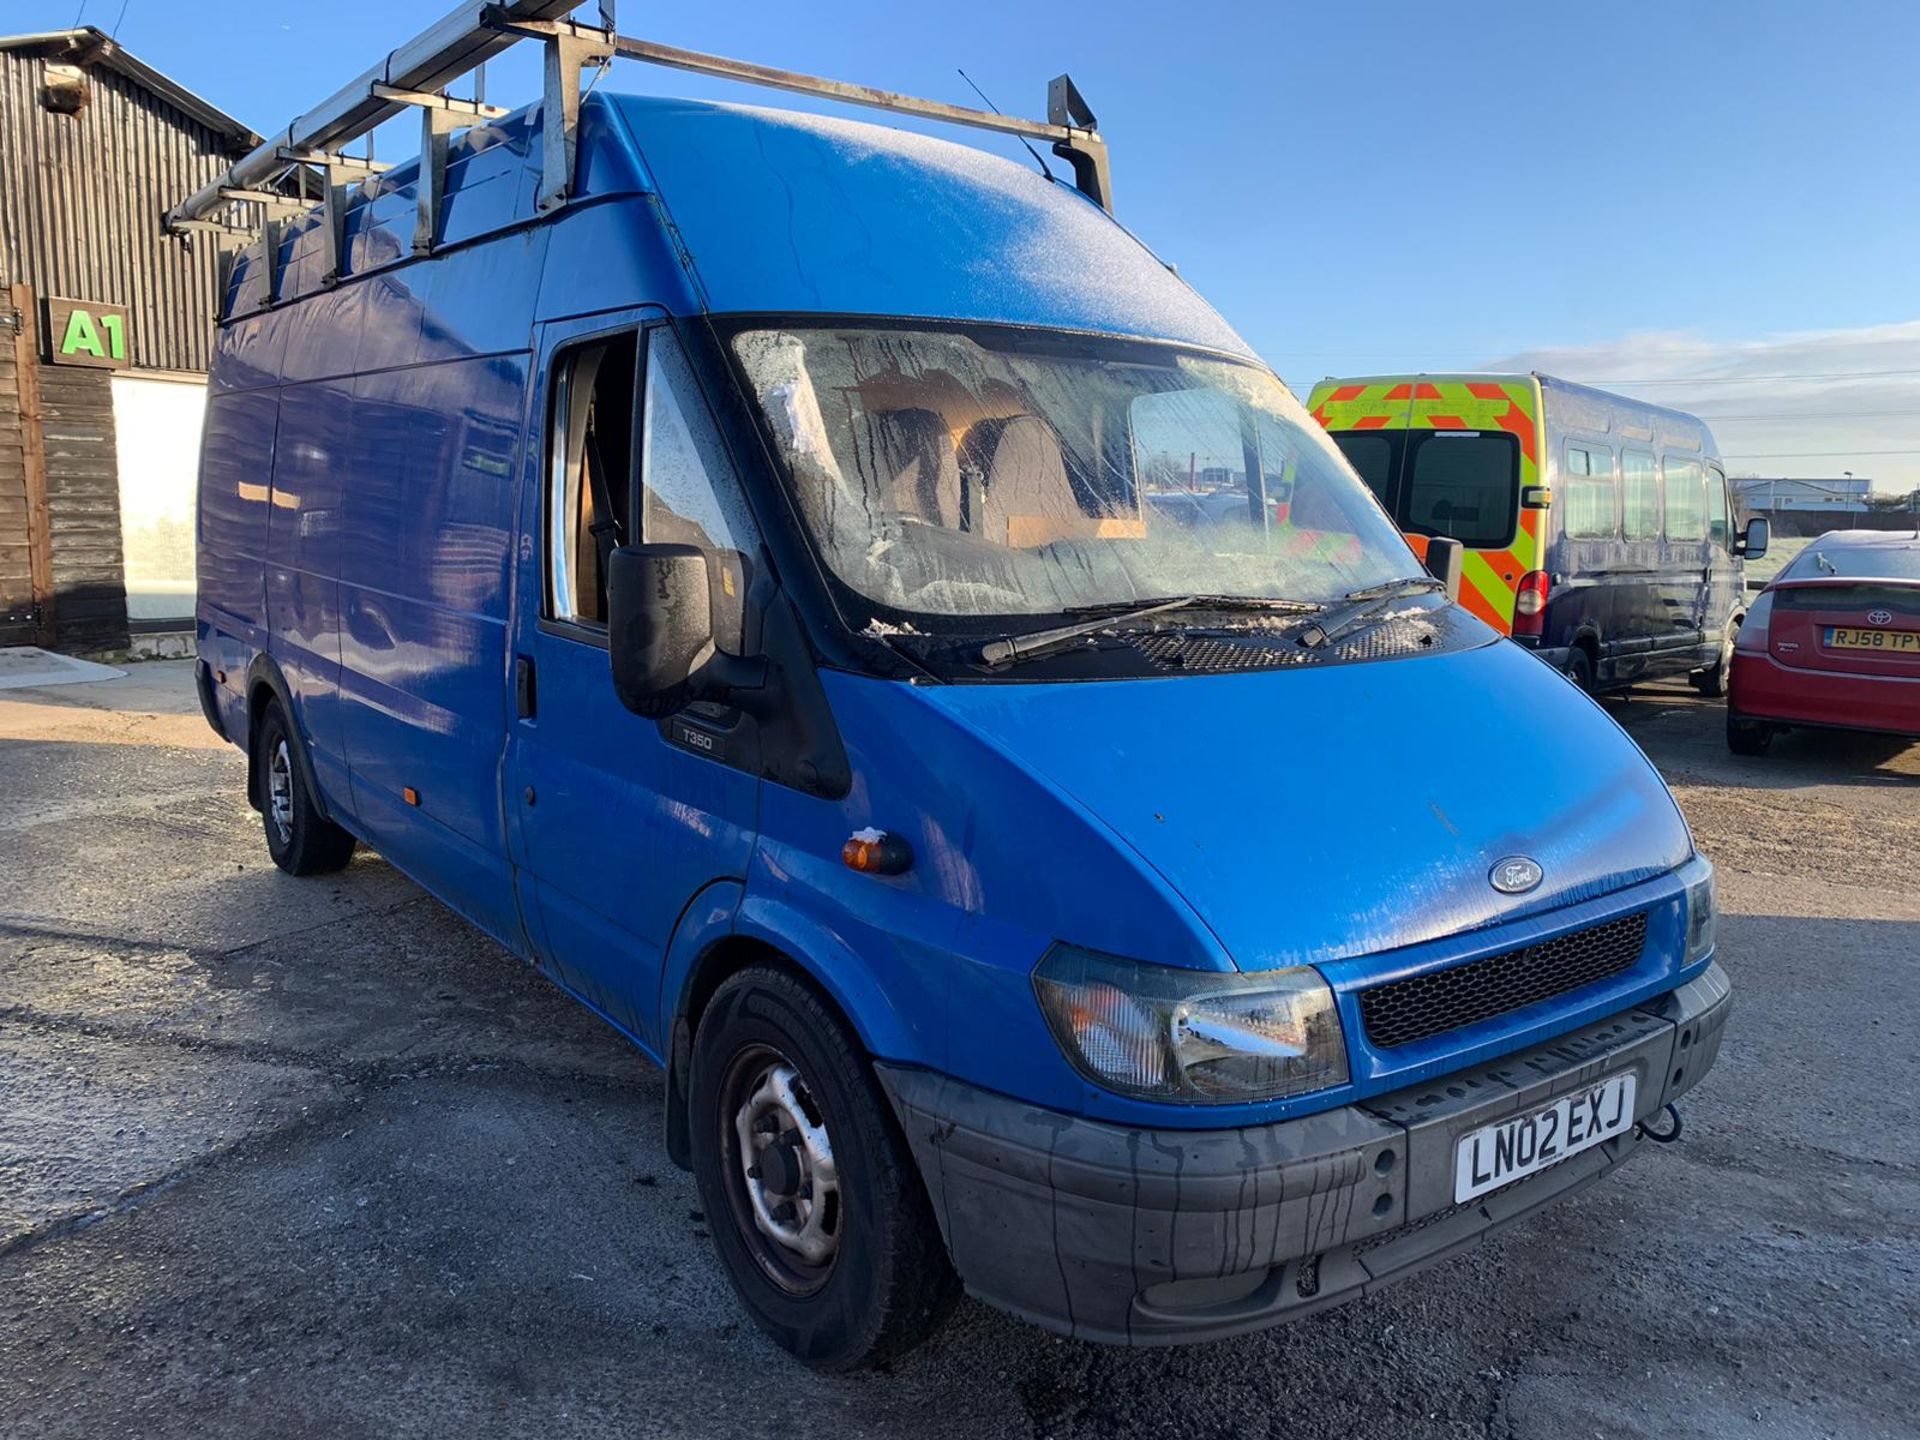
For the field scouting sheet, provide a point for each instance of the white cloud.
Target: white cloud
(1814, 403)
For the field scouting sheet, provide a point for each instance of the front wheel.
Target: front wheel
(817, 1209)
(1747, 737)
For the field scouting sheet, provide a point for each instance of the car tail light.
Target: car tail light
(1752, 635)
(1530, 603)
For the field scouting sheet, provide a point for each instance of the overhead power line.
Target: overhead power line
(1684, 380)
(1814, 415)
(1757, 379)
(1813, 454)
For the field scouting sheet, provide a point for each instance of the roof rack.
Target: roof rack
(416, 75)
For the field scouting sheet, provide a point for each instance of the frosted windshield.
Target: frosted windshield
(964, 475)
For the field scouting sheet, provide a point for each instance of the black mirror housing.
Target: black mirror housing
(1444, 559)
(1753, 542)
(660, 627)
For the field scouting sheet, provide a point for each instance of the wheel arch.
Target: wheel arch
(722, 933)
(266, 682)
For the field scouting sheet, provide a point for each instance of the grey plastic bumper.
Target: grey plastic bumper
(1150, 1237)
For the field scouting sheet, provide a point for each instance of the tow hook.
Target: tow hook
(1662, 1137)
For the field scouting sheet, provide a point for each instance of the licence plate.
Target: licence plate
(1497, 1155)
(1893, 642)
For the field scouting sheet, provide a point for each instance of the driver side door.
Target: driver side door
(619, 822)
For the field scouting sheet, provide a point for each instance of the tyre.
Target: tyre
(1747, 737)
(1712, 682)
(300, 839)
(1580, 668)
(814, 1202)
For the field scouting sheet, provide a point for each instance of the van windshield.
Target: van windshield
(1005, 473)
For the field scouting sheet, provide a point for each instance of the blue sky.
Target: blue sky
(1700, 196)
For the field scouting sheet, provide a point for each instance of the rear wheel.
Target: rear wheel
(1580, 668)
(1747, 737)
(1712, 681)
(300, 839)
(816, 1207)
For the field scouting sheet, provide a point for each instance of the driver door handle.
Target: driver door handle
(525, 695)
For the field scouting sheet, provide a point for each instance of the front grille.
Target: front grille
(1404, 1011)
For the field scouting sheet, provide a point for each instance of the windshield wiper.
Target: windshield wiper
(1009, 649)
(1364, 605)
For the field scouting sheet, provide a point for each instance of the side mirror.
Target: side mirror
(1753, 543)
(1444, 559)
(660, 632)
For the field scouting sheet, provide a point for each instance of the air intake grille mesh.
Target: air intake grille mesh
(1403, 1011)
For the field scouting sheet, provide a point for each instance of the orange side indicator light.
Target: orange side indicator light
(875, 852)
(410, 795)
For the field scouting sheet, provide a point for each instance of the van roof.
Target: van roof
(781, 210)
(1590, 403)
(776, 211)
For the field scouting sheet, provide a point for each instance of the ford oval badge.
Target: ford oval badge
(1515, 875)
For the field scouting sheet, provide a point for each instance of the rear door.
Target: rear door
(1465, 484)
(619, 821)
(1451, 458)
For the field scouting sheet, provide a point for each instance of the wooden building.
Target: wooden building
(106, 328)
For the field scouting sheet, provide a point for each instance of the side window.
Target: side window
(1717, 528)
(1587, 493)
(1639, 495)
(1686, 500)
(688, 492)
(589, 474)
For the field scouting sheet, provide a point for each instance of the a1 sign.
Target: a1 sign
(81, 332)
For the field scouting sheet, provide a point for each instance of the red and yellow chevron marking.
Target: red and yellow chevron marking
(1488, 578)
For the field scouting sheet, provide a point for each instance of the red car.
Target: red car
(1833, 642)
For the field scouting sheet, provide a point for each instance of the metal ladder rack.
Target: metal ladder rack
(417, 74)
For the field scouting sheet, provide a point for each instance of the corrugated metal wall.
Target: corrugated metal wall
(81, 198)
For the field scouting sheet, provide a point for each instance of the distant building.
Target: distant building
(106, 327)
(1764, 496)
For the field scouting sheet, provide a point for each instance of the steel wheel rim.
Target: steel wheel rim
(782, 1179)
(280, 789)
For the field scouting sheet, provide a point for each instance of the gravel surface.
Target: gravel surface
(301, 1158)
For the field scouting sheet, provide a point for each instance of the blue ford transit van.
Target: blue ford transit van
(750, 592)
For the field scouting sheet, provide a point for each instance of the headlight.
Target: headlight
(1191, 1036)
(1703, 914)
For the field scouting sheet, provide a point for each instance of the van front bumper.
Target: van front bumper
(1156, 1237)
